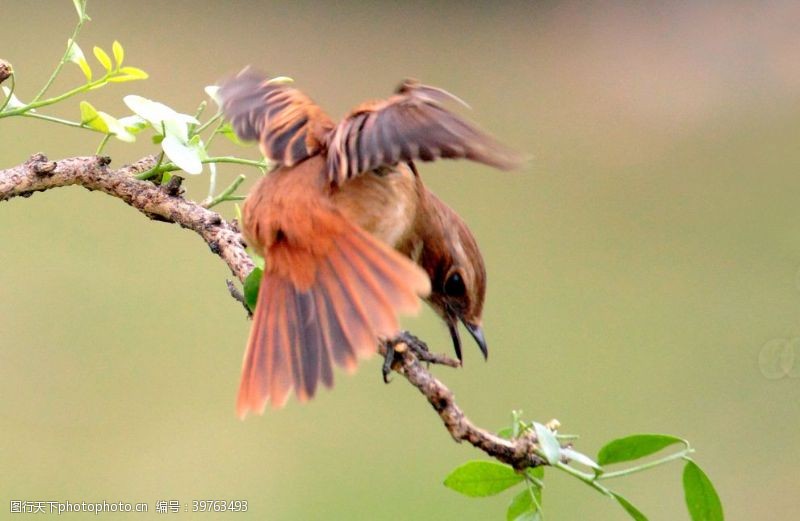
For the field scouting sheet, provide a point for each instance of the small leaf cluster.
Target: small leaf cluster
(487, 478)
(123, 129)
(113, 72)
(179, 135)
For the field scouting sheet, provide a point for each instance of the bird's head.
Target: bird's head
(458, 276)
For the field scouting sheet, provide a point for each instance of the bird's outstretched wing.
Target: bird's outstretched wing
(411, 125)
(287, 124)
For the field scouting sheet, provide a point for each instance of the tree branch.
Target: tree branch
(161, 203)
(166, 203)
(519, 452)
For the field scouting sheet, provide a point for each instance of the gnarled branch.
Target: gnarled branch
(161, 203)
(166, 203)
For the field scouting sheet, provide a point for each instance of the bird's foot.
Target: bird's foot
(403, 341)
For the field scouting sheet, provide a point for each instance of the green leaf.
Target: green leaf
(537, 473)
(176, 128)
(91, 118)
(213, 93)
(163, 118)
(635, 447)
(581, 458)
(701, 498)
(227, 131)
(548, 443)
(106, 123)
(75, 55)
(280, 80)
(251, 285)
(129, 74)
(197, 144)
(630, 509)
(103, 58)
(506, 433)
(134, 124)
(135, 71)
(74, 51)
(524, 506)
(119, 53)
(516, 419)
(183, 155)
(258, 260)
(13, 102)
(80, 7)
(521, 504)
(482, 478)
(116, 128)
(151, 111)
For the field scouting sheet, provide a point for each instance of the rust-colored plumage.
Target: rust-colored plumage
(350, 235)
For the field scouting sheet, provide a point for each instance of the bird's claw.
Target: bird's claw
(387, 361)
(406, 340)
(416, 345)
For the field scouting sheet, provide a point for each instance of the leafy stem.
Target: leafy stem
(172, 167)
(10, 93)
(215, 132)
(148, 174)
(200, 109)
(655, 463)
(483, 479)
(60, 121)
(532, 484)
(102, 144)
(227, 194)
(223, 159)
(589, 479)
(208, 123)
(64, 59)
(61, 97)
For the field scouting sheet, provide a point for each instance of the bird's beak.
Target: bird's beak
(476, 332)
(452, 325)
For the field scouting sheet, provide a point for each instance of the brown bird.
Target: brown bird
(350, 236)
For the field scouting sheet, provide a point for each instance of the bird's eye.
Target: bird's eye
(454, 285)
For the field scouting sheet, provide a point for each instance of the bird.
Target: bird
(350, 235)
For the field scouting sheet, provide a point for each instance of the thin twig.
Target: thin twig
(225, 194)
(102, 144)
(238, 296)
(54, 119)
(519, 453)
(63, 60)
(205, 125)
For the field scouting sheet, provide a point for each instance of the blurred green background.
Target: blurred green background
(638, 264)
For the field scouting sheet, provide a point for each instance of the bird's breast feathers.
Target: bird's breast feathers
(383, 204)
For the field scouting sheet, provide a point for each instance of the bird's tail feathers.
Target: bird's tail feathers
(361, 285)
